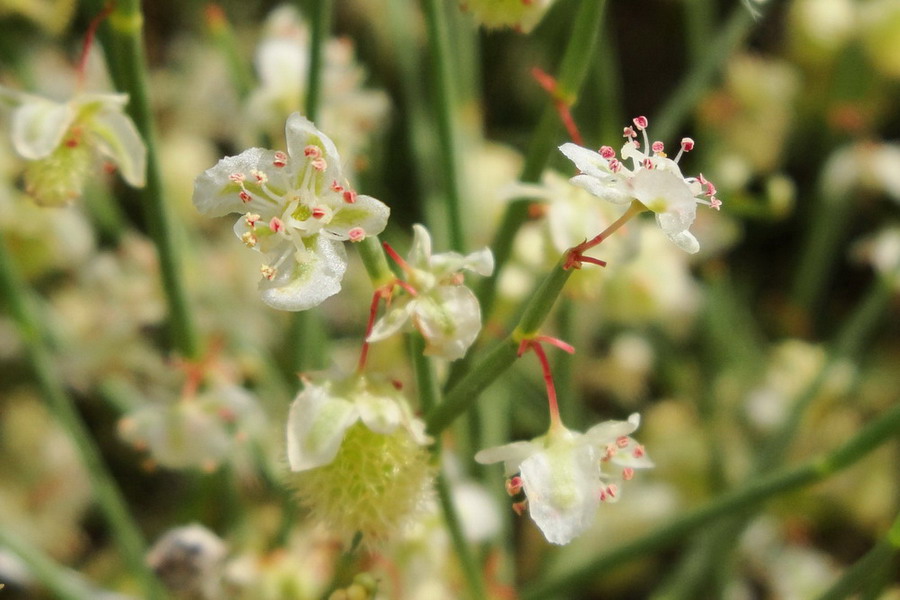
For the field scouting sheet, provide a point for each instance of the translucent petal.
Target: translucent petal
(115, 136)
(588, 162)
(310, 282)
(511, 454)
(609, 188)
(686, 241)
(562, 485)
(215, 194)
(380, 413)
(316, 425)
(300, 132)
(420, 250)
(607, 431)
(391, 322)
(449, 318)
(480, 261)
(38, 126)
(366, 212)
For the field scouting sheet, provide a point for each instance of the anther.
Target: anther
(687, 144)
(349, 196)
(648, 164)
(259, 176)
(312, 151)
(319, 164)
(638, 451)
(245, 197)
(614, 165)
(276, 225)
(627, 473)
(514, 485)
(622, 441)
(519, 507)
(318, 212)
(607, 152)
(268, 272)
(715, 203)
(336, 187)
(640, 122)
(357, 234)
(280, 159)
(237, 177)
(251, 219)
(657, 147)
(628, 132)
(249, 238)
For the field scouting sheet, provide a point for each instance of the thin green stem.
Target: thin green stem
(429, 394)
(586, 28)
(65, 584)
(320, 22)
(122, 527)
(372, 255)
(444, 95)
(123, 41)
(875, 560)
(223, 34)
(750, 496)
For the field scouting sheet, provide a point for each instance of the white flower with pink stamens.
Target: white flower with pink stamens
(565, 474)
(295, 208)
(654, 180)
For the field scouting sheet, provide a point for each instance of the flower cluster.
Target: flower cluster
(61, 141)
(565, 474)
(654, 180)
(297, 208)
(444, 311)
(362, 455)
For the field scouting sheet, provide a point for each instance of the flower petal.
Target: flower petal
(587, 161)
(449, 318)
(686, 241)
(381, 414)
(420, 250)
(511, 454)
(316, 425)
(116, 136)
(608, 431)
(367, 213)
(216, 194)
(392, 321)
(480, 261)
(300, 132)
(38, 126)
(611, 189)
(310, 281)
(562, 485)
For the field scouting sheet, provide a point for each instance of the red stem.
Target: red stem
(89, 41)
(373, 311)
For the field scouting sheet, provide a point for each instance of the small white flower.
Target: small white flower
(654, 180)
(297, 209)
(322, 413)
(562, 473)
(62, 139)
(444, 311)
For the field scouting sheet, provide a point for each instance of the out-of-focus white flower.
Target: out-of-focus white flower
(189, 561)
(882, 251)
(869, 166)
(522, 15)
(562, 473)
(348, 111)
(444, 311)
(61, 139)
(654, 180)
(298, 209)
(198, 431)
(360, 456)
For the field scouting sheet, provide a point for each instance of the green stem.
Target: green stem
(444, 95)
(223, 34)
(320, 22)
(372, 255)
(123, 42)
(750, 496)
(106, 493)
(716, 52)
(875, 560)
(578, 56)
(495, 361)
(429, 394)
(65, 584)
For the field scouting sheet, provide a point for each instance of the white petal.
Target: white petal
(588, 162)
(316, 425)
(420, 250)
(607, 431)
(380, 413)
(215, 194)
(449, 318)
(116, 136)
(480, 261)
(300, 132)
(38, 126)
(611, 189)
(367, 213)
(309, 282)
(562, 485)
(392, 321)
(511, 454)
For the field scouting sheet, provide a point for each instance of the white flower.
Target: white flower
(62, 139)
(322, 413)
(654, 180)
(562, 473)
(444, 311)
(297, 208)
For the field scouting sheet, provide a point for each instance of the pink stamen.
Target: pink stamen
(514, 485)
(276, 225)
(349, 196)
(657, 147)
(638, 451)
(312, 151)
(648, 163)
(628, 132)
(357, 234)
(687, 144)
(627, 473)
(715, 203)
(519, 507)
(607, 152)
(336, 187)
(640, 122)
(280, 159)
(237, 177)
(614, 165)
(245, 197)
(318, 212)
(319, 164)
